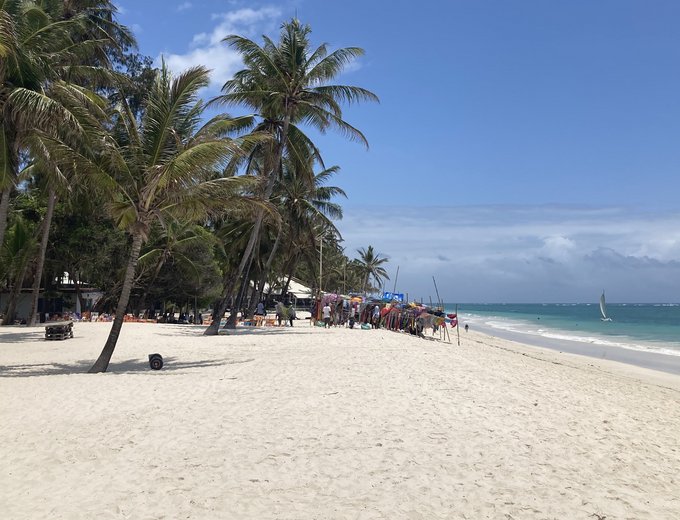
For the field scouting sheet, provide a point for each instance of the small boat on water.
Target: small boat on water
(603, 309)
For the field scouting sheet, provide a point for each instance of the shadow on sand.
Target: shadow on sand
(25, 336)
(129, 366)
(197, 331)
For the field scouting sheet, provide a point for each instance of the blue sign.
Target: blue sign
(390, 296)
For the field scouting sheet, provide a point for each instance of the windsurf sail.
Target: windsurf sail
(603, 309)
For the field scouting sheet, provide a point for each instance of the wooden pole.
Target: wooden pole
(458, 324)
(395, 280)
(437, 291)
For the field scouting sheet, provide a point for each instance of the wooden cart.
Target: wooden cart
(59, 330)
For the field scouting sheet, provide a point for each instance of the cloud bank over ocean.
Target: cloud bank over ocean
(545, 253)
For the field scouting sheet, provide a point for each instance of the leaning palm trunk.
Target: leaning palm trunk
(147, 289)
(231, 281)
(253, 300)
(267, 268)
(284, 290)
(14, 296)
(102, 362)
(233, 316)
(4, 211)
(231, 284)
(79, 292)
(35, 291)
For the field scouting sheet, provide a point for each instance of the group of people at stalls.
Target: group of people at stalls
(336, 310)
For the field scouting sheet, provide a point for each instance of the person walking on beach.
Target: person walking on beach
(326, 316)
(376, 317)
(466, 327)
(279, 313)
(291, 314)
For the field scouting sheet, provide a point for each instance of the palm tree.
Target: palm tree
(160, 168)
(172, 237)
(42, 248)
(50, 47)
(15, 256)
(44, 47)
(309, 212)
(286, 84)
(371, 266)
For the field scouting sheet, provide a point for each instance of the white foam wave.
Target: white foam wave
(528, 328)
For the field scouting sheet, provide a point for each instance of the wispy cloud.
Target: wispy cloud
(184, 6)
(540, 253)
(207, 48)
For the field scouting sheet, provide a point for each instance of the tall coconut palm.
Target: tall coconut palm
(159, 168)
(42, 248)
(371, 265)
(309, 212)
(51, 48)
(286, 83)
(44, 46)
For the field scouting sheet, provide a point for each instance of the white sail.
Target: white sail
(603, 309)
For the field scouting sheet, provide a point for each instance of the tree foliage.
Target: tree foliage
(112, 172)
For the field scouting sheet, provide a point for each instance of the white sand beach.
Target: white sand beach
(307, 423)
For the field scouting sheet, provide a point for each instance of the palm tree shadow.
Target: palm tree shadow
(25, 336)
(240, 331)
(170, 364)
(129, 366)
(260, 331)
(44, 369)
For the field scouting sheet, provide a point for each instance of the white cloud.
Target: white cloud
(514, 254)
(221, 60)
(184, 6)
(208, 49)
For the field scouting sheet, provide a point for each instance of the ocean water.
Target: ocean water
(642, 327)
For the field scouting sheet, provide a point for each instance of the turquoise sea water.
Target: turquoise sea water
(642, 327)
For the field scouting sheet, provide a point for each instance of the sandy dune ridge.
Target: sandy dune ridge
(307, 423)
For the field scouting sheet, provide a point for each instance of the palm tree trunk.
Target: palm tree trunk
(231, 322)
(14, 295)
(4, 211)
(231, 283)
(47, 224)
(284, 289)
(79, 293)
(102, 362)
(252, 299)
(145, 294)
(257, 297)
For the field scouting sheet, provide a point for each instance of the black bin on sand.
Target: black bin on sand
(155, 361)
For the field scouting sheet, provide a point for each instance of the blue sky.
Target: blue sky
(522, 151)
